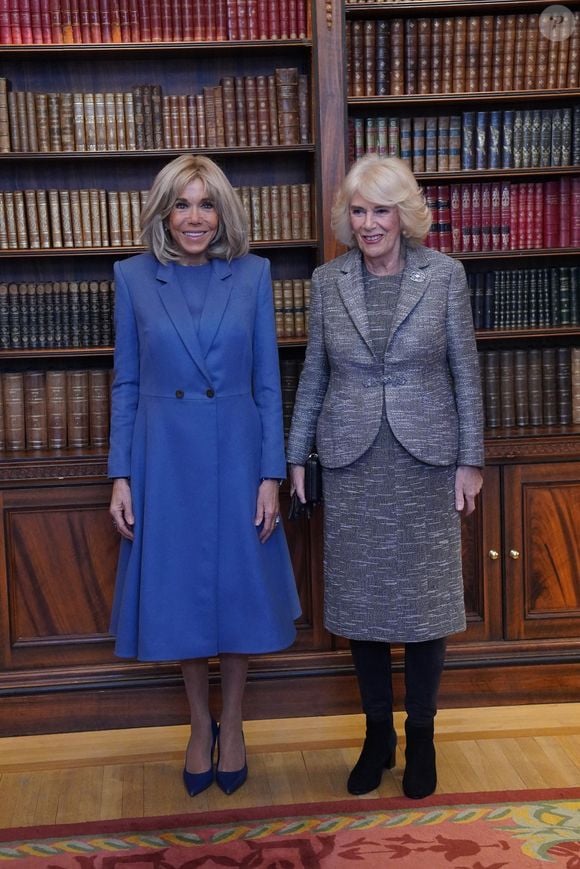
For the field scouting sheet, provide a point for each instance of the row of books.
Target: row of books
(48, 219)
(504, 215)
(291, 307)
(281, 212)
(525, 298)
(54, 409)
(460, 54)
(56, 314)
(32, 219)
(538, 386)
(239, 111)
(40, 22)
(502, 139)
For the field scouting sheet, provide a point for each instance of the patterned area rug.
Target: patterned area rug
(464, 831)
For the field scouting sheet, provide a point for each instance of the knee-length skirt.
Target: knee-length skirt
(392, 551)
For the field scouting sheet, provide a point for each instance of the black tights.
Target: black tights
(423, 668)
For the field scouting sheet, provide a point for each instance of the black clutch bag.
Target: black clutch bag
(312, 489)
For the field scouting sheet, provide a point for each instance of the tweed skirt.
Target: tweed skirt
(392, 550)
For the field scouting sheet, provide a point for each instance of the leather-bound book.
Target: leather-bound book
(233, 31)
(296, 212)
(63, 121)
(199, 20)
(436, 76)
(48, 117)
(172, 23)
(574, 55)
(481, 139)
(535, 222)
(263, 19)
(551, 213)
(98, 387)
(506, 388)
(302, 19)
(55, 387)
(251, 102)
(430, 144)
(531, 52)
(182, 128)
(357, 70)
(229, 111)
(191, 120)
(266, 213)
(28, 301)
(497, 62)
(253, 25)
(95, 21)
(35, 415)
(507, 139)
(20, 218)
(466, 239)
(411, 56)
(42, 125)
(10, 230)
(540, 77)
(85, 212)
(14, 317)
(4, 245)
(288, 309)
(32, 219)
(105, 314)
(382, 59)
(275, 219)
(147, 116)
(518, 139)
(44, 222)
(4, 319)
(65, 218)
(89, 122)
(565, 293)
(285, 212)
(397, 54)
(56, 36)
(289, 377)
(35, 22)
(370, 135)
(536, 138)
(564, 211)
(4, 118)
(14, 121)
(552, 67)
(393, 138)
(256, 212)
(84, 22)
(139, 117)
(459, 54)
(155, 20)
(369, 56)
(574, 295)
(105, 19)
(519, 61)
(299, 321)
(157, 117)
(444, 142)
(455, 212)
(476, 217)
(287, 100)
(486, 53)
(486, 216)
(575, 211)
(472, 54)
(562, 74)
(77, 407)
(21, 118)
(424, 47)
(567, 144)
(274, 23)
(526, 138)
(494, 140)
(496, 215)
(444, 218)
(210, 117)
(522, 411)
(93, 335)
(306, 210)
(103, 217)
(200, 115)
(241, 113)
(575, 384)
(31, 121)
(549, 386)
(273, 108)
(509, 44)
(114, 216)
(125, 216)
(13, 401)
(263, 110)
(418, 146)
(95, 217)
(432, 240)
(490, 378)
(100, 123)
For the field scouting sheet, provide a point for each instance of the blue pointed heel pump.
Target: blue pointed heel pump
(231, 781)
(196, 782)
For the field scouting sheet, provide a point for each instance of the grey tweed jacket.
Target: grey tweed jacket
(429, 376)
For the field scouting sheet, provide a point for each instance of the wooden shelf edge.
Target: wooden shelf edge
(478, 97)
(8, 156)
(17, 253)
(421, 6)
(217, 46)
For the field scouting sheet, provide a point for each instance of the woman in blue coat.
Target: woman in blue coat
(196, 455)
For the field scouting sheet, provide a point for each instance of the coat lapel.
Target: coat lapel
(218, 294)
(352, 291)
(414, 283)
(177, 308)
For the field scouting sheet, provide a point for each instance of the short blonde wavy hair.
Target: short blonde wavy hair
(232, 238)
(384, 181)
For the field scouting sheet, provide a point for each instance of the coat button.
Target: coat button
(179, 393)
(210, 393)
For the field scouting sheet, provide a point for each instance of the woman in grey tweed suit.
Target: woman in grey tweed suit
(390, 392)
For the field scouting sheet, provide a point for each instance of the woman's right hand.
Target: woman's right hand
(297, 482)
(121, 508)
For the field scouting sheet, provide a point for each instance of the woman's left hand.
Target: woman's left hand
(267, 508)
(468, 482)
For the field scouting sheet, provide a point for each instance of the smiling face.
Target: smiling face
(193, 223)
(377, 232)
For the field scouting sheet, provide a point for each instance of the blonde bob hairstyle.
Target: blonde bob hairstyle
(382, 181)
(232, 236)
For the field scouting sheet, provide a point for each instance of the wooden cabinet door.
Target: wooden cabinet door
(542, 551)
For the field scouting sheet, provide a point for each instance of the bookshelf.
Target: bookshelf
(57, 670)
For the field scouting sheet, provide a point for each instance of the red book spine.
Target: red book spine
(66, 22)
(455, 199)
(466, 218)
(106, 35)
(166, 20)
(85, 20)
(177, 15)
(94, 21)
(564, 197)
(263, 20)
(549, 210)
(143, 22)
(538, 234)
(514, 217)
(432, 240)
(75, 19)
(274, 30)
(506, 231)
(25, 23)
(14, 14)
(530, 216)
(221, 21)
(242, 8)
(519, 229)
(444, 218)
(292, 19)
(45, 23)
(476, 217)
(301, 22)
(55, 22)
(35, 22)
(125, 21)
(209, 22)
(155, 20)
(253, 27)
(486, 216)
(575, 212)
(199, 18)
(496, 215)
(232, 13)
(187, 27)
(115, 16)
(283, 18)
(5, 23)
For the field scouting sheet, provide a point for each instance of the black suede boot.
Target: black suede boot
(420, 777)
(378, 753)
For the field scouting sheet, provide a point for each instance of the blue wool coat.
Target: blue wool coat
(196, 421)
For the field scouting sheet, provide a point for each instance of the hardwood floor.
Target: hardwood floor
(65, 778)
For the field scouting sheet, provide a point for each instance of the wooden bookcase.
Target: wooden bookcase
(57, 548)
